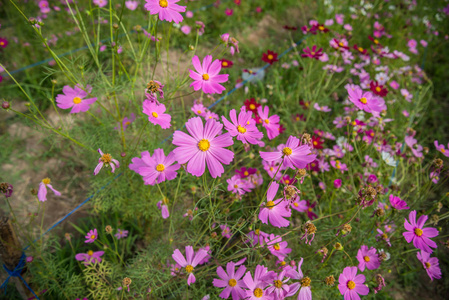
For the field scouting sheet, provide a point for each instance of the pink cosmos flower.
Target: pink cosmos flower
(206, 76)
(419, 235)
(121, 234)
(397, 203)
(156, 168)
(100, 3)
(257, 285)
(203, 145)
(299, 205)
(368, 258)
(278, 247)
(243, 127)
(271, 124)
(279, 288)
(442, 149)
(245, 172)
(257, 237)
(275, 211)
(337, 183)
(231, 281)
(156, 114)
(106, 160)
(339, 166)
(199, 109)
(383, 235)
(126, 122)
(42, 191)
(238, 186)
(292, 154)
(352, 285)
(365, 100)
(272, 167)
(168, 10)
(394, 85)
(407, 95)
(43, 5)
(74, 98)
(225, 231)
(430, 264)
(306, 291)
(163, 207)
(186, 29)
(89, 257)
(131, 5)
(229, 11)
(321, 108)
(211, 115)
(191, 262)
(91, 236)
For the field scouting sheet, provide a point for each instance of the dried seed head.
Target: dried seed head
(330, 280)
(309, 227)
(439, 206)
(379, 212)
(152, 86)
(126, 281)
(213, 235)
(438, 163)
(306, 138)
(301, 173)
(346, 229)
(290, 191)
(338, 246)
(324, 250)
(434, 219)
(108, 229)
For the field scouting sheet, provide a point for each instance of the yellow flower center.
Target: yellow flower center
(361, 49)
(154, 114)
(309, 209)
(418, 231)
(127, 122)
(236, 186)
(321, 27)
(204, 145)
(287, 181)
(313, 53)
(92, 236)
(46, 181)
(198, 111)
(252, 106)
(341, 44)
(106, 158)
(205, 76)
(270, 57)
(257, 231)
(278, 284)
(305, 282)
(376, 41)
(427, 265)
(287, 151)
(2, 43)
(232, 282)
(283, 263)
(295, 204)
(277, 247)
(77, 100)
(366, 258)
(378, 89)
(258, 293)
(189, 269)
(363, 100)
(163, 3)
(224, 64)
(351, 285)
(443, 150)
(241, 129)
(384, 236)
(160, 167)
(270, 204)
(90, 253)
(271, 169)
(246, 173)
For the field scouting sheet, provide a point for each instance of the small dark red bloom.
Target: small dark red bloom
(238, 2)
(270, 57)
(310, 212)
(317, 142)
(299, 117)
(292, 28)
(375, 41)
(304, 104)
(312, 53)
(3, 42)
(226, 63)
(252, 105)
(313, 166)
(249, 72)
(321, 28)
(377, 89)
(307, 30)
(281, 128)
(360, 49)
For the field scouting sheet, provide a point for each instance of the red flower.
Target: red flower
(299, 117)
(307, 30)
(238, 2)
(317, 142)
(293, 28)
(226, 63)
(361, 49)
(270, 57)
(377, 89)
(252, 105)
(321, 28)
(281, 128)
(312, 53)
(304, 104)
(375, 41)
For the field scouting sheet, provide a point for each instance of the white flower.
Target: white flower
(388, 159)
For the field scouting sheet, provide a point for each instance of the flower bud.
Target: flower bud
(5, 105)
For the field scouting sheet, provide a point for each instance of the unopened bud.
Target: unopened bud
(5, 105)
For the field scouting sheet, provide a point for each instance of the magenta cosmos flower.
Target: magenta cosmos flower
(257, 285)
(156, 114)
(191, 262)
(204, 145)
(91, 236)
(42, 192)
(278, 247)
(442, 149)
(419, 235)
(243, 127)
(74, 99)
(206, 77)
(293, 154)
(238, 186)
(352, 285)
(274, 211)
(156, 168)
(89, 257)
(306, 290)
(106, 160)
(430, 264)
(168, 10)
(368, 258)
(397, 203)
(271, 124)
(364, 100)
(121, 234)
(163, 207)
(231, 281)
